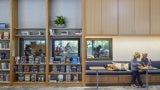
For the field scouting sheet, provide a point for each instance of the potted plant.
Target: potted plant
(59, 21)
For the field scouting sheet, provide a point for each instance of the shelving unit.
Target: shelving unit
(27, 72)
(37, 16)
(5, 52)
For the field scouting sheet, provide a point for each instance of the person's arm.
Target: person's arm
(134, 63)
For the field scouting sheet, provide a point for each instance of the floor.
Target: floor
(152, 87)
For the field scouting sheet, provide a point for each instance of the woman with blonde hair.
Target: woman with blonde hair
(135, 72)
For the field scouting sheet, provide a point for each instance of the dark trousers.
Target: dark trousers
(136, 75)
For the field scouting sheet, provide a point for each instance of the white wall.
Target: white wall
(5, 11)
(32, 13)
(125, 46)
(70, 9)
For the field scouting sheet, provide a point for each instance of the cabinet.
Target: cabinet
(101, 17)
(92, 17)
(109, 17)
(134, 17)
(155, 17)
(5, 51)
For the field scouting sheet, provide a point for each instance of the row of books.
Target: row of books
(67, 68)
(4, 66)
(4, 77)
(26, 68)
(31, 77)
(64, 59)
(4, 35)
(4, 45)
(32, 60)
(4, 55)
(67, 78)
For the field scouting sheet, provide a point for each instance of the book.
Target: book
(75, 77)
(41, 68)
(75, 59)
(34, 68)
(20, 77)
(6, 35)
(68, 77)
(37, 60)
(20, 68)
(51, 60)
(41, 78)
(60, 78)
(26, 69)
(1, 35)
(54, 68)
(31, 59)
(74, 69)
(1, 77)
(23, 60)
(43, 60)
(17, 60)
(33, 78)
(27, 77)
(68, 68)
(79, 68)
(53, 78)
(62, 68)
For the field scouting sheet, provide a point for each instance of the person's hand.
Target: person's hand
(139, 64)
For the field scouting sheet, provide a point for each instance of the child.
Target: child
(144, 60)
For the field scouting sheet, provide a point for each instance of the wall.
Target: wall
(125, 46)
(31, 13)
(5, 11)
(70, 9)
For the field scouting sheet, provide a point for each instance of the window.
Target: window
(99, 49)
(66, 47)
(35, 44)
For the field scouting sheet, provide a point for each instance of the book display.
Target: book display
(31, 52)
(32, 71)
(65, 72)
(4, 53)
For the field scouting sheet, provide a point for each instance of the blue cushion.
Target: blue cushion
(154, 71)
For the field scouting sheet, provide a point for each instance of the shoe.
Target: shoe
(143, 86)
(134, 85)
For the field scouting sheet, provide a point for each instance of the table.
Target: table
(97, 68)
(147, 69)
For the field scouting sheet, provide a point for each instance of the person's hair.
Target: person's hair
(144, 54)
(136, 55)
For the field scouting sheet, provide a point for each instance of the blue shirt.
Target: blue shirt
(134, 64)
(144, 61)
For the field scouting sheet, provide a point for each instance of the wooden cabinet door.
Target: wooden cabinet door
(155, 17)
(109, 17)
(126, 17)
(142, 22)
(92, 17)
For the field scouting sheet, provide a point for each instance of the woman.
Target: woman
(135, 72)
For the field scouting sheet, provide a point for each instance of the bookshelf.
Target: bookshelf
(26, 17)
(5, 73)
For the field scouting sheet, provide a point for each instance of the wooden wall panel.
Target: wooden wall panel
(126, 17)
(155, 17)
(142, 22)
(93, 17)
(109, 17)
